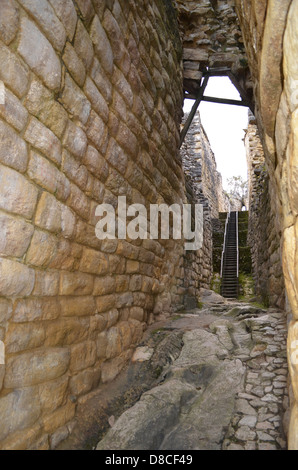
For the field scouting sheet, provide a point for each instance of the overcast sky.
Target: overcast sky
(224, 125)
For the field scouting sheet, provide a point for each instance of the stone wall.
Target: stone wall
(263, 238)
(212, 37)
(92, 111)
(270, 32)
(204, 187)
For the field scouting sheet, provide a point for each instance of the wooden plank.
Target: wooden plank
(193, 110)
(211, 99)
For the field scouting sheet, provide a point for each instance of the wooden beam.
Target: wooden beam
(193, 110)
(210, 99)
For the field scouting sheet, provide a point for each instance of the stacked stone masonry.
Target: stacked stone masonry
(263, 237)
(270, 36)
(204, 185)
(93, 102)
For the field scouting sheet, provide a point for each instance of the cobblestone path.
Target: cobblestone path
(222, 382)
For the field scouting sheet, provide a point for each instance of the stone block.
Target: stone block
(53, 421)
(74, 64)
(136, 313)
(74, 170)
(44, 140)
(67, 331)
(82, 383)
(75, 140)
(96, 163)
(13, 150)
(128, 141)
(15, 74)
(79, 202)
(5, 310)
(66, 12)
(102, 45)
(104, 285)
(58, 436)
(86, 9)
(83, 45)
(46, 175)
(15, 235)
(115, 36)
(36, 367)
(77, 306)
(46, 18)
(76, 283)
(68, 222)
(31, 310)
(19, 410)
(116, 157)
(41, 104)
(9, 20)
(96, 132)
(46, 284)
(96, 99)
(82, 356)
(42, 248)
(122, 283)
(94, 262)
(21, 336)
(105, 303)
(39, 54)
(101, 80)
(53, 394)
(13, 111)
(16, 279)
(48, 213)
(75, 101)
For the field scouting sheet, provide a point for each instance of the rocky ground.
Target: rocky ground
(212, 378)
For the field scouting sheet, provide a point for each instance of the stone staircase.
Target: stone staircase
(229, 285)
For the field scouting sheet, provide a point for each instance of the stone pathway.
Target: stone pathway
(222, 382)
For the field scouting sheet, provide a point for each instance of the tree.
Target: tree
(238, 189)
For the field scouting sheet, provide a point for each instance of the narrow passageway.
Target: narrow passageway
(225, 389)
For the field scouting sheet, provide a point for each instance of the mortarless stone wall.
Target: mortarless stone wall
(204, 187)
(92, 111)
(263, 238)
(270, 33)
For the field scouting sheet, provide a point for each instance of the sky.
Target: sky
(224, 125)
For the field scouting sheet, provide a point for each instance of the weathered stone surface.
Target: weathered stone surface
(45, 16)
(41, 104)
(9, 21)
(43, 139)
(42, 248)
(30, 310)
(16, 235)
(36, 367)
(39, 54)
(16, 279)
(75, 101)
(66, 13)
(13, 150)
(75, 140)
(74, 64)
(48, 213)
(102, 45)
(14, 112)
(16, 74)
(83, 45)
(17, 195)
(76, 284)
(19, 410)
